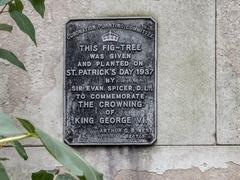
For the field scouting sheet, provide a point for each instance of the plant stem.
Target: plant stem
(3, 8)
(14, 138)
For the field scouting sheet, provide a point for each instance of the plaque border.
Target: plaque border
(155, 73)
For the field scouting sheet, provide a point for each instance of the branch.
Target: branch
(3, 8)
(15, 138)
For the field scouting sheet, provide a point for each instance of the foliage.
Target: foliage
(3, 173)
(20, 149)
(6, 27)
(15, 9)
(9, 56)
(42, 175)
(60, 151)
(11, 134)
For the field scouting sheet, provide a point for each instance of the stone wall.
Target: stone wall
(198, 89)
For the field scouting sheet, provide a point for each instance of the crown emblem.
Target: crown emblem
(110, 36)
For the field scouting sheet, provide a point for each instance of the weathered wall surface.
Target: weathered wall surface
(228, 72)
(198, 89)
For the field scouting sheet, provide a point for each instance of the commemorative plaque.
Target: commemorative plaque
(110, 81)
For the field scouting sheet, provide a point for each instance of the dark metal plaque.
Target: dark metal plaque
(110, 82)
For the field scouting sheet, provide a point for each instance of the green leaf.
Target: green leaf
(20, 149)
(7, 126)
(9, 56)
(39, 6)
(16, 6)
(3, 173)
(3, 2)
(24, 24)
(68, 157)
(3, 159)
(63, 153)
(82, 178)
(6, 27)
(42, 175)
(27, 125)
(65, 177)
